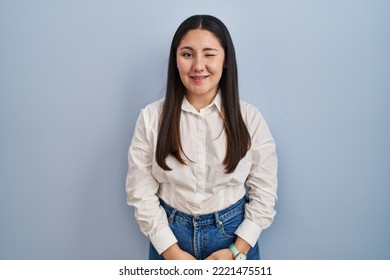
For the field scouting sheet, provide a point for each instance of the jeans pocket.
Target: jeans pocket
(227, 226)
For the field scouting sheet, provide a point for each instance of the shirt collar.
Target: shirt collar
(217, 102)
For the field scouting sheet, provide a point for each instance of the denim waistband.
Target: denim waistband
(215, 217)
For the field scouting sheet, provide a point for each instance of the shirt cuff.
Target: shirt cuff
(163, 239)
(249, 231)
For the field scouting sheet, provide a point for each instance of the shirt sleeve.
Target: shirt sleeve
(142, 188)
(261, 181)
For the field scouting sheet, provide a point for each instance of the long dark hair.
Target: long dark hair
(238, 138)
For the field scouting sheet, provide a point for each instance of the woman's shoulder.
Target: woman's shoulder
(154, 108)
(253, 119)
(156, 105)
(150, 114)
(248, 110)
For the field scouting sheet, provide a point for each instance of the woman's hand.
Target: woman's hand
(223, 254)
(175, 253)
(226, 254)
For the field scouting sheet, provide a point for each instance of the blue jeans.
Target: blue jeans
(201, 235)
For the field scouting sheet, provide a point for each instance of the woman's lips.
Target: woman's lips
(199, 78)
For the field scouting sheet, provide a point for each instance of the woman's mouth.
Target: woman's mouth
(199, 78)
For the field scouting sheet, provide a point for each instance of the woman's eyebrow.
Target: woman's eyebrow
(191, 49)
(210, 49)
(186, 48)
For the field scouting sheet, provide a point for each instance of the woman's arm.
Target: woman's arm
(142, 188)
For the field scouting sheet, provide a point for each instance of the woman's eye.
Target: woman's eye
(187, 54)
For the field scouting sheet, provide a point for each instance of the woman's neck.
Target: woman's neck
(200, 101)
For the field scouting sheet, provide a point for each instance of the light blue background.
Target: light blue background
(75, 74)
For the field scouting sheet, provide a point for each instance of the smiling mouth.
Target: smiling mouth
(199, 78)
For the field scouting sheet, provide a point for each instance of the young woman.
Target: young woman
(202, 164)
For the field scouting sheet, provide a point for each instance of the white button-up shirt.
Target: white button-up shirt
(201, 186)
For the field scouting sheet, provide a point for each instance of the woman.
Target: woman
(202, 163)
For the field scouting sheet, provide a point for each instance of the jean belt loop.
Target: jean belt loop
(218, 222)
(172, 215)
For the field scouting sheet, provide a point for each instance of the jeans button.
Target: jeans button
(196, 219)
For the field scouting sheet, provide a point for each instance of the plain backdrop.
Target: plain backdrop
(75, 74)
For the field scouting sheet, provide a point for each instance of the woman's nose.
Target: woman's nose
(199, 65)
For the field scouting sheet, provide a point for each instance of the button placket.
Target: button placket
(201, 160)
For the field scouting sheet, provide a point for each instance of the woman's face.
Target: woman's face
(200, 61)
